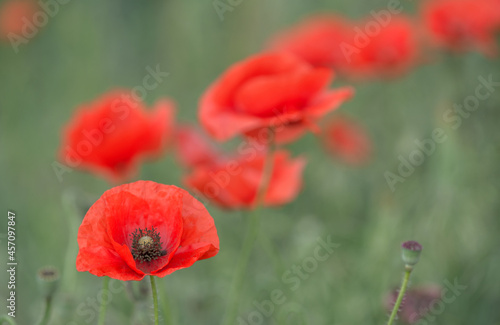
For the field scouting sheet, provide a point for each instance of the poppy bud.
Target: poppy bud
(48, 280)
(411, 253)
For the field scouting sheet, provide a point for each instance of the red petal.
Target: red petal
(104, 236)
(270, 95)
(328, 102)
(112, 134)
(223, 90)
(199, 237)
(286, 179)
(146, 205)
(235, 186)
(218, 113)
(97, 253)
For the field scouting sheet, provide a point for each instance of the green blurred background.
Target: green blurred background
(450, 203)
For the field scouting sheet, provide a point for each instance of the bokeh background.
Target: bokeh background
(450, 203)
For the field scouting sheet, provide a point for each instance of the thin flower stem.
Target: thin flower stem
(104, 304)
(401, 294)
(46, 313)
(155, 298)
(7, 319)
(250, 239)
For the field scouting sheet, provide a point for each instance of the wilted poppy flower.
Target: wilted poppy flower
(416, 304)
(316, 40)
(234, 183)
(347, 140)
(269, 90)
(14, 15)
(193, 148)
(461, 24)
(144, 228)
(110, 135)
(388, 50)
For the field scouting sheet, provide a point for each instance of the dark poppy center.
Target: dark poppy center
(146, 245)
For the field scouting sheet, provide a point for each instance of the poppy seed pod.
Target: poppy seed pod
(411, 252)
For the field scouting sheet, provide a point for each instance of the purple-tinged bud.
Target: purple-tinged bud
(411, 252)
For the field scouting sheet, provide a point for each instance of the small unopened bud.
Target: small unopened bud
(411, 252)
(48, 280)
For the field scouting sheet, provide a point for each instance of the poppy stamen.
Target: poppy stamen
(146, 245)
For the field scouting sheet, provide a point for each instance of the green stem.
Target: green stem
(250, 239)
(401, 294)
(102, 312)
(155, 298)
(46, 313)
(7, 319)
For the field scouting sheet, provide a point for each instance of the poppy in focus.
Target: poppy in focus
(347, 140)
(14, 16)
(234, 183)
(463, 24)
(271, 90)
(110, 135)
(144, 228)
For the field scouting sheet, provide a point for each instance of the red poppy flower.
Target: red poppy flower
(144, 228)
(459, 24)
(193, 148)
(269, 90)
(316, 40)
(234, 183)
(388, 50)
(348, 141)
(13, 17)
(110, 135)
(416, 304)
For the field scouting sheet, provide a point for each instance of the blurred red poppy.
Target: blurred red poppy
(316, 40)
(13, 16)
(416, 304)
(347, 140)
(269, 90)
(193, 148)
(110, 135)
(388, 49)
(234, 183)
(144, 228)
(463, 24)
